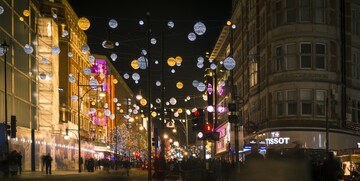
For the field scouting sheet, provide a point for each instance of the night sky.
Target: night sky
(132, 39)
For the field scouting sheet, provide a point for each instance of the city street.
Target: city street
(135, 174)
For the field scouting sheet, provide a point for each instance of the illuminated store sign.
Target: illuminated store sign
(276, 139)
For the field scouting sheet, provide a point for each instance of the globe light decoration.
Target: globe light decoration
(87, 71)
(153, 114)
(71, 78)
(107, 112)
(44, 60)
(179, 85)
(70, 54)
(210, 108)
(229, 63)
(135, 76)
(176, 114)
(199, 28)
(172, 101)
(173, 71)
(74, 98)
(178, 60)
(143, 102)
(115, 81)
(200, 65)
(1, 10)
(201, 87)
(171, 61)
(213, 66)
(113, 23)
(113, 56)
(180, 110)
(141, 22)
(158, 83)
(134, 64)
(135, 111)
(26, 13)
(112, 116)
(91, 59)
(192, 36)
(195, 83)
(171, 24)
(153, 41)
(126, 76)
(107, 44)
(42, 76)
(65, 33)
(158, 100)
(55, 50)
(28, 49)
(85, 48)
(83, 23)
(142, 62)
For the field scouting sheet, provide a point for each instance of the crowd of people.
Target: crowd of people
(295, 165)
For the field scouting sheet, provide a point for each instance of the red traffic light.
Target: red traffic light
(196, 113)
(208, 127)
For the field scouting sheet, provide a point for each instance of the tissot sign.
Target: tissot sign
(276, 139)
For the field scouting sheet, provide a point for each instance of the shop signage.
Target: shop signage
(277, 139)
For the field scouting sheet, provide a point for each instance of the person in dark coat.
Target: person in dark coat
(19, 159)
(48, 161)
(331, 169)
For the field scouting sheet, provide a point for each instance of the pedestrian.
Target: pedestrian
(19, 160)
(43, 161)
(48, 160)
(331, 169)
(126, 165)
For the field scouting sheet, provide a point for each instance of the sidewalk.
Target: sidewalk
(39, 174)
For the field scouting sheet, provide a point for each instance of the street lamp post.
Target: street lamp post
(79, 116)
(149, 96)
(5, 48)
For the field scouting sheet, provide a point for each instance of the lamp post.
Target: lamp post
(233, 93)
(149, 96)
(79, 116)
(5, 48)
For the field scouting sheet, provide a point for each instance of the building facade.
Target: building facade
(296, 73)
(62, 99)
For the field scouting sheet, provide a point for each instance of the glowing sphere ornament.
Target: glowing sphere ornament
(55, 50)
(113, 23)
(179, 85)
(192, 36)
(28, 49)
(171, 24)
(199, 28)
(134, 64)
(83, 23)
(229, 63)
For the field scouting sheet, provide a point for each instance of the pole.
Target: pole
(233, 98)
(79, 159)
(5, 47)
(186, 131)
(327, 124)
(149, 97)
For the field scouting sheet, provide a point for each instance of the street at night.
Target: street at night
(180, 90)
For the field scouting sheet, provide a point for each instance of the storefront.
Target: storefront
(65, 153)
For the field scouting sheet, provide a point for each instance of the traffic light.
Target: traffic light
(13, 127)
(208, 128)
(198, 119)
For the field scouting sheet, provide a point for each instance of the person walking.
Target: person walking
(126, 165)
(19, 161)
(48, 160)
(331, 169)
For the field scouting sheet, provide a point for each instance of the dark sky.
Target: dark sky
(132, 38)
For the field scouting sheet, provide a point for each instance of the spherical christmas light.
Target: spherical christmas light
(83, 23)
